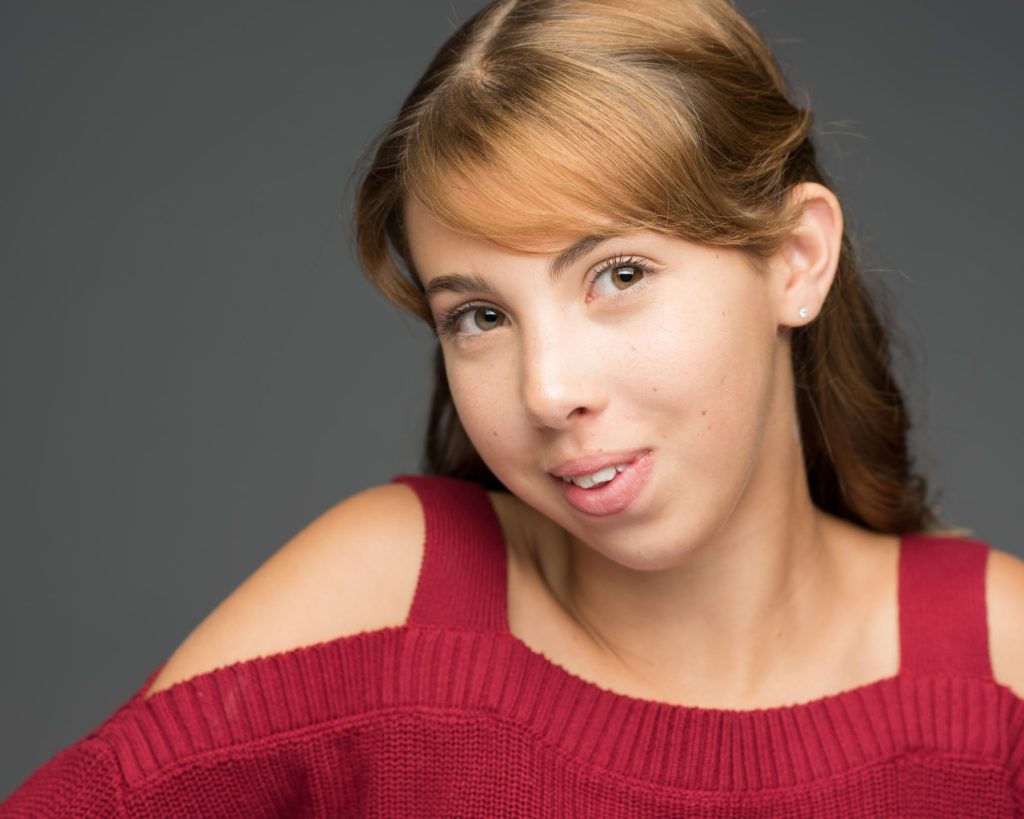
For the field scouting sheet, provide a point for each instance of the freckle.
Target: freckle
(709, 427)
(703, 412)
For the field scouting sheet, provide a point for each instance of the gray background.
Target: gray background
(193, 367)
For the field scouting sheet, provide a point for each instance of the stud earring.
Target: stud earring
(803, 312)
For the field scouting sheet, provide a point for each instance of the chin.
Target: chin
(659, 557)
(658, 545)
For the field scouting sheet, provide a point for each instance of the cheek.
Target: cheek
(706, 371)
(484, 398)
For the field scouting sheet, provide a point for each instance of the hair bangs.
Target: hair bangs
(520, 170)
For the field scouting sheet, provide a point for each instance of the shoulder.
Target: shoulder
(1004, 592)
(353, 569)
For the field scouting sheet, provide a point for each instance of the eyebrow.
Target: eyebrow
(470, 282)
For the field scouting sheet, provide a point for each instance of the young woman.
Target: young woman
(670, 555)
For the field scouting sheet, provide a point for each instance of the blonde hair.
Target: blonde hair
(603, 116)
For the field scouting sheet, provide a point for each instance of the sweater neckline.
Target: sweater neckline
(579, 685)
(698, 746)
(714, 747)
(834, 731)
(564, 679)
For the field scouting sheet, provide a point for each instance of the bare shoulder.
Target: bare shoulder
(353, 569)
(1005, 600)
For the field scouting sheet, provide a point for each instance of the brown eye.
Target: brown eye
(623, 276)
(471, 320)
(487, 318)
(624, 272)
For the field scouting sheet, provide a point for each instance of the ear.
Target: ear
(806, 263)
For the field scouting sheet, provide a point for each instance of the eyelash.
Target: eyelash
(447, 321)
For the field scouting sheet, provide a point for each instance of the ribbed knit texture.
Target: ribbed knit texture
(451, 715)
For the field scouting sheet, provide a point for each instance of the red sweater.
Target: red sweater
(452, 715)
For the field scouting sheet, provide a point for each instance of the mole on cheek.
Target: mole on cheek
(703, 412)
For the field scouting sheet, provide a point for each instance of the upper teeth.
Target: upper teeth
(601, 476)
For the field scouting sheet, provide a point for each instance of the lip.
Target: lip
(588, 464)
(613, 497)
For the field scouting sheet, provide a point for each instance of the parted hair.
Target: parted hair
(597, 116)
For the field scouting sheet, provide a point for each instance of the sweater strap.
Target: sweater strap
(462, 581)
(943, 619)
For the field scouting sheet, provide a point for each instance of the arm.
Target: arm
(1005, 602)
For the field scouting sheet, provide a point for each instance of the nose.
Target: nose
(560, 378)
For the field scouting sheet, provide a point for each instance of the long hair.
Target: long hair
(597, 116)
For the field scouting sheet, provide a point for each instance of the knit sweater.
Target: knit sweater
(452, 715)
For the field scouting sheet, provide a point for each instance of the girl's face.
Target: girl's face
(656, 350)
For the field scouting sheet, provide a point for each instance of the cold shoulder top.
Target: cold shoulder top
(452, 715)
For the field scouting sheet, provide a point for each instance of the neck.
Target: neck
(738, 610)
